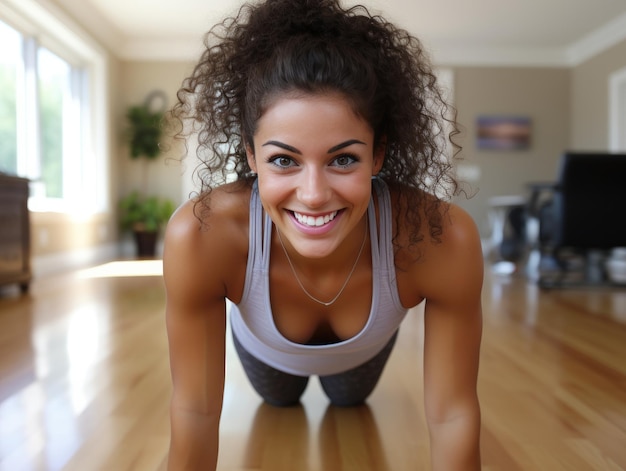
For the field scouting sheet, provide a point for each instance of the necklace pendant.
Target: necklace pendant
(345, 283)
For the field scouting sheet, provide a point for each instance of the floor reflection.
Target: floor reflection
(346, 438)
(354, 429)
(278, 439)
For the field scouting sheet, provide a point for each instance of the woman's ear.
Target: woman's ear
(379, 155)
(251, 159)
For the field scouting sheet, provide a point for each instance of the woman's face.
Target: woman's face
(314, 158)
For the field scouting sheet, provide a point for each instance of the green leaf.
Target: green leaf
(144, 213)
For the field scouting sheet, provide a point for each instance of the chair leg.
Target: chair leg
(594, 267)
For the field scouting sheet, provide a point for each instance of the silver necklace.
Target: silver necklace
(345, 283)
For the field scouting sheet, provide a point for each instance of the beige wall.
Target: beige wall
(590, 99)
(163, 174)
(542, 94)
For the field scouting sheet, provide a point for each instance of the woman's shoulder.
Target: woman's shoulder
(208, 215)
(435, 221)
(209, 231)
(429, 262)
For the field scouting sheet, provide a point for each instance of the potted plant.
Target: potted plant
(145, 130)
(143, 214)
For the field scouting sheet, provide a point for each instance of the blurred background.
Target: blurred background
(71, 71)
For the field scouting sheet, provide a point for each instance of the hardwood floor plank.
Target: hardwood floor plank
(85, 386)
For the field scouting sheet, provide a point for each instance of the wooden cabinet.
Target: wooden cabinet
(14, 232)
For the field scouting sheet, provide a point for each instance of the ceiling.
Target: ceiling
(543, 32)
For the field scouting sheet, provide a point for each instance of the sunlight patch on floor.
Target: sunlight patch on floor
(126, 268)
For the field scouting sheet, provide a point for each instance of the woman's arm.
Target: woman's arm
(452, 285)
(197, 365)
(193, 265)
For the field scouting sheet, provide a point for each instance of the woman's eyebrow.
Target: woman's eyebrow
(282, 145)
(344, 144)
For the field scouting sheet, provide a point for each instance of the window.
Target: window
(45, 120)
(53, 80)
(9, 62)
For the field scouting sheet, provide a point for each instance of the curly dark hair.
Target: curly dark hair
(317, 46)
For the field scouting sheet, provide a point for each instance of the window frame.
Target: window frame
(86, 188)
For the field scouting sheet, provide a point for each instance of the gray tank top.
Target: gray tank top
(253, 324)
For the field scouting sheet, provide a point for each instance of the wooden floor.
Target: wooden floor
(84, 385)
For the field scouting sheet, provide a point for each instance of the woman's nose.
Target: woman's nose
(314, 189)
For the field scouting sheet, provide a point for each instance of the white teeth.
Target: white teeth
(315, 222)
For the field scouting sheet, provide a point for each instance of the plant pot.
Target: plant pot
(145, 243)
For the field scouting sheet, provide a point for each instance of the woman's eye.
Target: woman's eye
(282, 161)
(344, 160)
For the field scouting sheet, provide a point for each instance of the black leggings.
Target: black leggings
(349, 388)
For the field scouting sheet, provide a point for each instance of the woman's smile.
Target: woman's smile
(314, 221)
(316, 225)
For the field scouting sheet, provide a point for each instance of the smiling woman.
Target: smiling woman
(337, 223)
(314, 164)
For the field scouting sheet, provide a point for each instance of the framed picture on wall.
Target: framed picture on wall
(503, 132)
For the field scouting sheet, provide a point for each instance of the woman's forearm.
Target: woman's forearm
(194, 441)
(455, 444)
